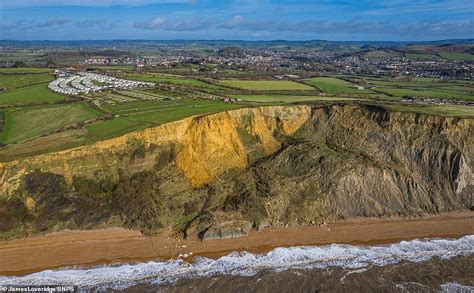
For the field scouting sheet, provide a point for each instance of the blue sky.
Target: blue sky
(398, 20)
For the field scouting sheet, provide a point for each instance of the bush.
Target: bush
(136, 197)
(248, 203)
(50, 193)
(136, 148)
(12, 214)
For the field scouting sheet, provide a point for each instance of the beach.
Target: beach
(118, 245)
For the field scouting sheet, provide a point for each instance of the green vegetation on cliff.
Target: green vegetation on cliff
(343, 162)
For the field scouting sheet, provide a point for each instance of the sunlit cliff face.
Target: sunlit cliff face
(221, 175)
(205, 147)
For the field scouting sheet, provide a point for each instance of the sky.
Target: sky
(334, 20)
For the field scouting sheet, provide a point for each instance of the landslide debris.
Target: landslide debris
(221, 175)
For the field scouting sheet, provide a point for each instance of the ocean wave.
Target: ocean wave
(121, 276)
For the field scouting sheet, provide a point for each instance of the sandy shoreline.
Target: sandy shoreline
(67, 248)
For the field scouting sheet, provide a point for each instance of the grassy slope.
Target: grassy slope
(265, 85)
(31, 122)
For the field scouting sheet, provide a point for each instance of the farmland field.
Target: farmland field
(27, 123)
(33, 94)
(457, 56)
(158, 112)
(25, 70)
(115, 67)
(440, 110)
(111, 128)
(44, 144)
(11, 81)
(266, 85)
(421, 56)
(419, 87)
(286, 98)
(381, 54)
(173, 80)
(331, 85)
(426, 92)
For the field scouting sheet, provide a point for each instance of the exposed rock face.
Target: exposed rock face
(225, 230)
(352, 161)
(220, 175)
(206, 146)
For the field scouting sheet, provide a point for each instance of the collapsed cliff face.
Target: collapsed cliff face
(222, 174)
(206, 146)
(353, 161)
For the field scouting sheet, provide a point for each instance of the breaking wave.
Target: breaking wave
(122, 276)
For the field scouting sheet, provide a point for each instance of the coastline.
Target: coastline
(112, 245)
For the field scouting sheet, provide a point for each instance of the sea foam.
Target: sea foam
(121, 276)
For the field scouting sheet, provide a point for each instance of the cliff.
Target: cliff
(223, 174)
(206, 146)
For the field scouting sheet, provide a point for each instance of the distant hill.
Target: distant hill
(231, 52)
(216, 43)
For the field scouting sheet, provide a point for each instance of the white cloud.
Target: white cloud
(34, 3)
(188, 24)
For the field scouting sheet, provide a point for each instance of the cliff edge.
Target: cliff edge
(220, 175)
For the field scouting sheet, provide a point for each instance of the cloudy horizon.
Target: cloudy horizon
(394, 20)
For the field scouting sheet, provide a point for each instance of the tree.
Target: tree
(18, 63)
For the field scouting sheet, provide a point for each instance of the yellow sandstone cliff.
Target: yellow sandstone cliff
(206, 147)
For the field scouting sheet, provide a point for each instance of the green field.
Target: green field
(25, 70)
(11, 81)
(286, 98)
(112, 128)
(457, 56)
(33, 94)
(333, 86)
(31, 130)
(30, 125)
(418, 86)
(158, 112)
(172, 80)
(266, 85)
(115, 67)
(426, 92)
(421, 56)
(381, 54)
(2, 120)
(26, 86)
(27, 123)
(440, 110)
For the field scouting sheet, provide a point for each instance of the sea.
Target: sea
(421, 265)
